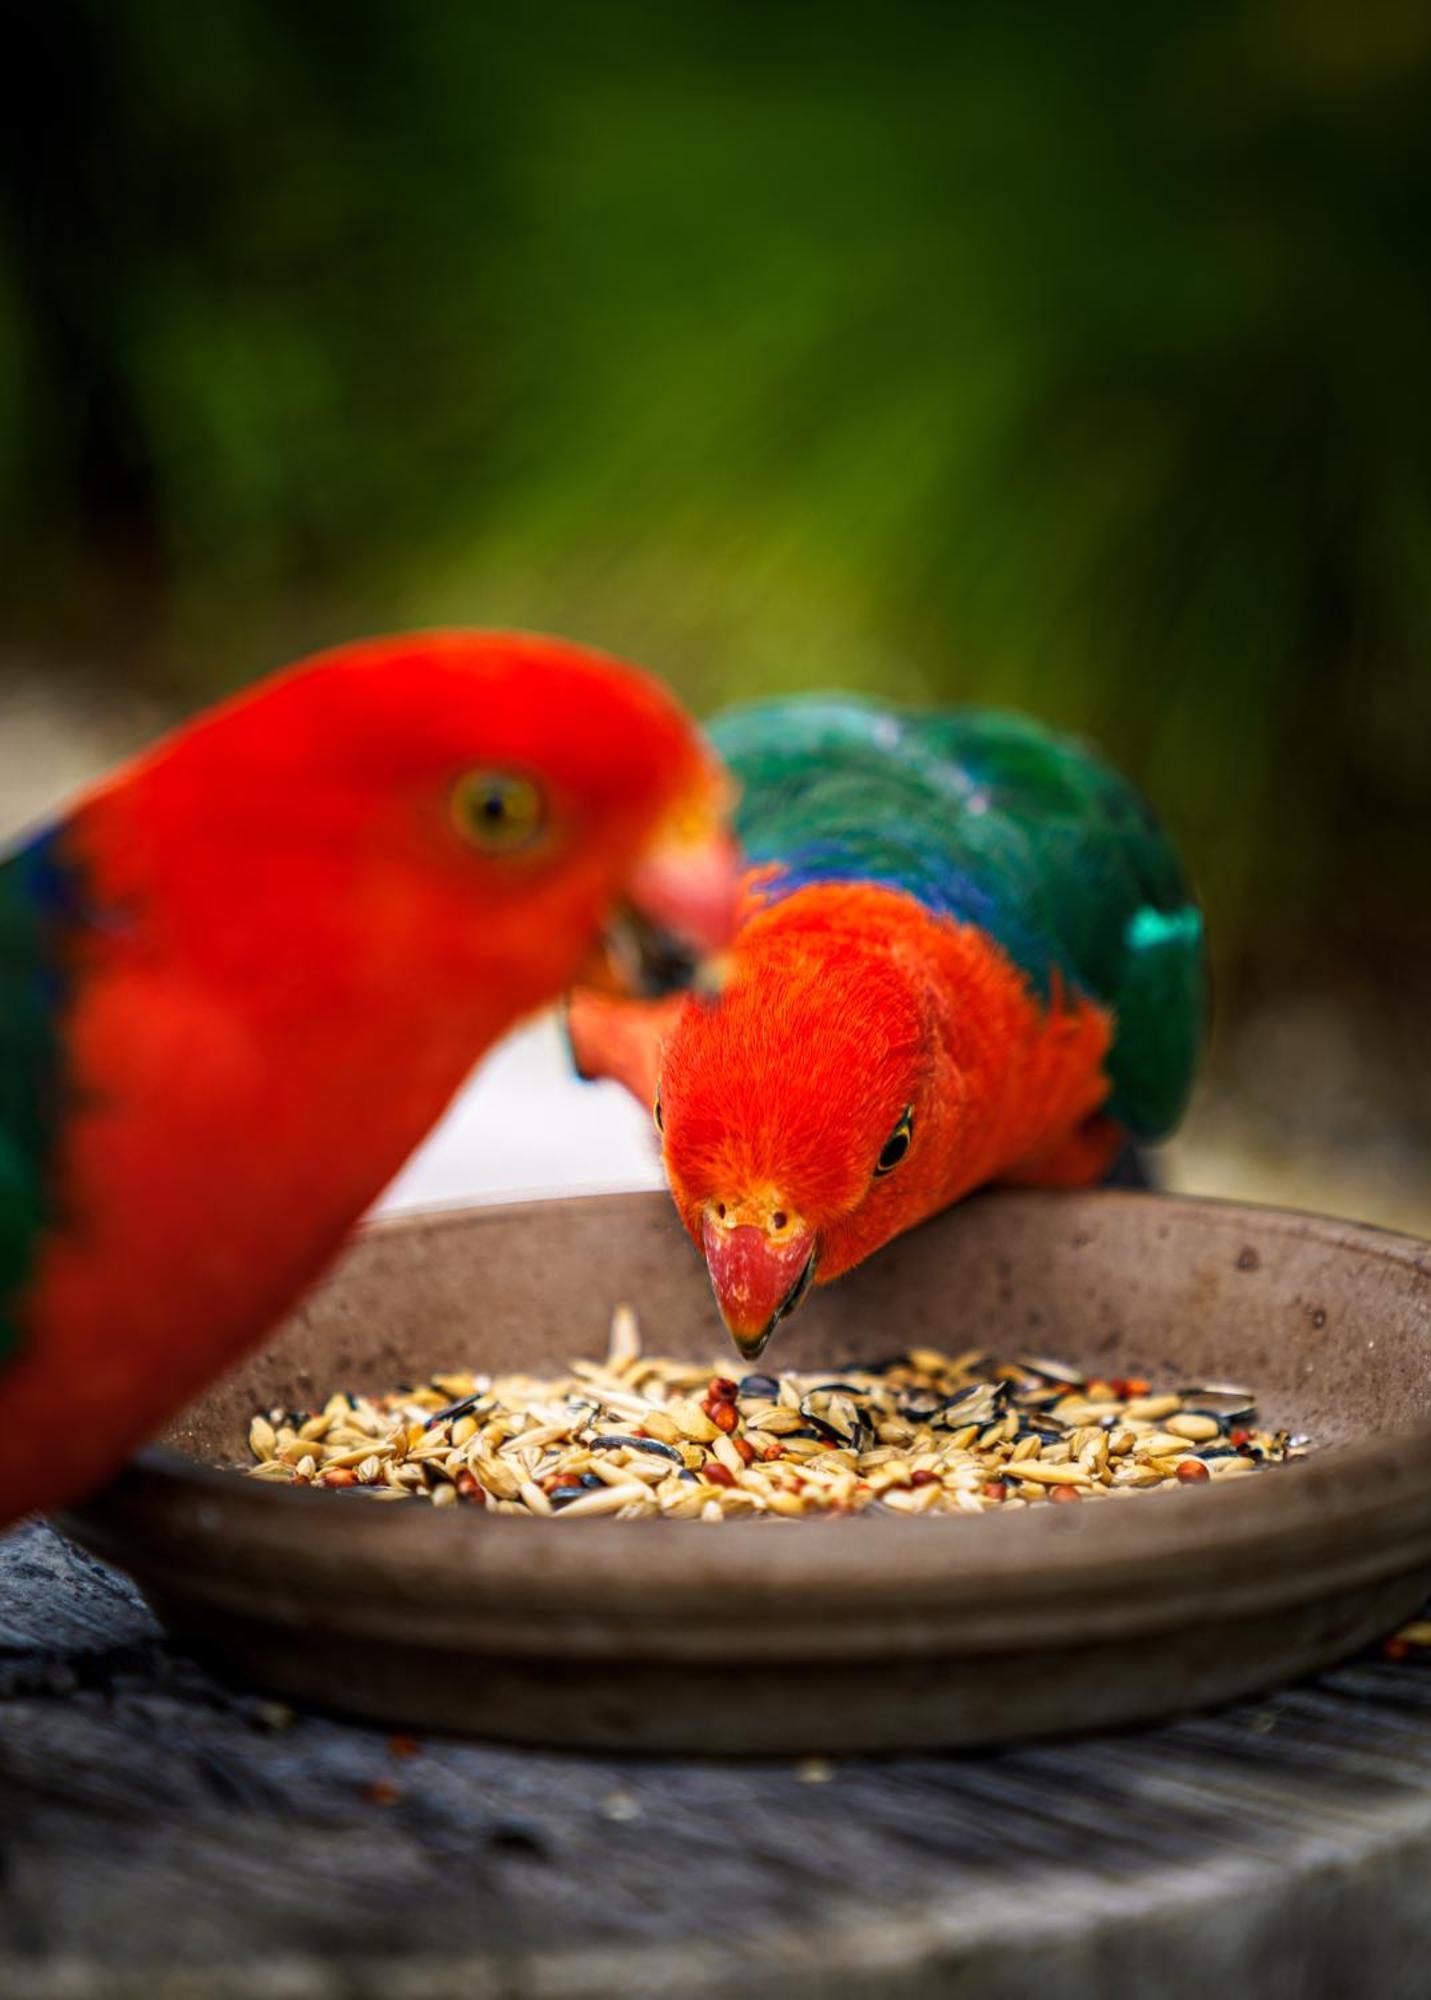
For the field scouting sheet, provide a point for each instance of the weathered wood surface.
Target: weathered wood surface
(163, 1837)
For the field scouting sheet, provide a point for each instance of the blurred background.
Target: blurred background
(1071, 358)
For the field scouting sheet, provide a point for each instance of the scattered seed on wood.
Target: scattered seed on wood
(645, 1436)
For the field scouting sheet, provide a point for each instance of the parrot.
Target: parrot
(966, 952)
(242, 976)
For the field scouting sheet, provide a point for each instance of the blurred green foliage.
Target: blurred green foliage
(1069, 357)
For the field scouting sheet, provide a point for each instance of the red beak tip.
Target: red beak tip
(755, 1281)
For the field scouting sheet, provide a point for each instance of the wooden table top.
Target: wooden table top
(165, 1837)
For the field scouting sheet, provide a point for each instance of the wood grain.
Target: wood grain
(165, 1837)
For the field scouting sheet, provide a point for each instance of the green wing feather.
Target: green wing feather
(995, 820)
(38, 897)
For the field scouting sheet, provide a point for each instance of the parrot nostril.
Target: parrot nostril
(780, 1218)
(720, 1210)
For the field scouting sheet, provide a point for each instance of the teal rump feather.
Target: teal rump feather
(992, 819)
(40, 898)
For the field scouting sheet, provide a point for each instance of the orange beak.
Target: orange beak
(758, 1278)
(679, 910)
(688, 884)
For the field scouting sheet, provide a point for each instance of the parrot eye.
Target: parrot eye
(656, 1117)
(897, 1144)
(500, 812)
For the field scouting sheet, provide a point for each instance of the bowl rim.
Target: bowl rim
(1352, 1513)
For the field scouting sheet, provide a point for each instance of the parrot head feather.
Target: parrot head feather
(793, 1117)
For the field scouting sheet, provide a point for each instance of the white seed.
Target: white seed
(1151, 1408)
(658, 1425)
(1159, 1444)
(623, 1346)
(1043, 1474)
(1201, 1430)
(609, 1500)
(691, 1421)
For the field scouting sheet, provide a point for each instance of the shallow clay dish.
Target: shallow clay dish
(869, 1632)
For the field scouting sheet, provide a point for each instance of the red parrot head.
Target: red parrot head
(475, 801)
(793, 1116)
(574, 788)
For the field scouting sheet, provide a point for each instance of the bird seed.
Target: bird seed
(638, 1436)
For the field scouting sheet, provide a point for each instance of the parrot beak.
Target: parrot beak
(645, 960)
(679, 910)
(758, 1278)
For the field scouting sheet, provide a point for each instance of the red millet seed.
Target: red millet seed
(469, 1487)
(723, 1389)
(745, 1449)
(340, 1475)
(1192, 1472)
(1239, 1437)
(924, 1478)
(1134, 1385)
(994, 1489)
(725, 1416)
(717, 1474)
(1064, 1494)
(771, 1449)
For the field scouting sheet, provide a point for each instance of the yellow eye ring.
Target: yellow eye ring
(499, 812)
